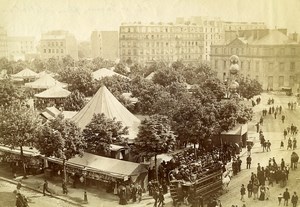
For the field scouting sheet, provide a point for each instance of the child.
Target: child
(279, 199)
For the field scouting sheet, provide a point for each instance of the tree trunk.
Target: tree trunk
(64, 169)
(23, 163)
(221, 140)
(195, 151)
(155, 166)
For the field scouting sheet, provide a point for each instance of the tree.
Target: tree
(147, 93)
(101, 132)
(166, 76)
(78, 78)
(10, 94)
(38, 65)
(53, 65)
(75, 101)
(154, 137)
(68, 61)
(121, 69)
(61, 138)
(249, 88)
(18, 126)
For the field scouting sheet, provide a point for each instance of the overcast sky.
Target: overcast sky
(32, 17)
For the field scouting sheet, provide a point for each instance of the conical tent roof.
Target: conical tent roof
(25, 73)
(45, 82)
(104, 72)
(54, 92)
(105, 102)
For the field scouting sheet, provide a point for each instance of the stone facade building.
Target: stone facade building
(161, 42)
(269, 56)
(105, 44)
(58, 44)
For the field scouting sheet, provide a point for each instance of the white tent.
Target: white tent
(104, 72)
(54, 92)
(105, 102)
(45, 82)
(25, 74)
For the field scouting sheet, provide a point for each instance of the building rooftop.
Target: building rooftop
(273, 37)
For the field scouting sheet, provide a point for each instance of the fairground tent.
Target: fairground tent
(25, 74)
(104, 72)
(45, 82)
(54, 92)
(104, 102)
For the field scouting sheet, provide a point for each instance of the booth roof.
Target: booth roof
(113, 167)
(239, 129)
(45, 82)
(26, 150)
(26, 73)
(54, 92)
(104, 72)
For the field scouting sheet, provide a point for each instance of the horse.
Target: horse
(226, 178)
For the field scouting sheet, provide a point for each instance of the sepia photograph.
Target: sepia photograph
(149, 103)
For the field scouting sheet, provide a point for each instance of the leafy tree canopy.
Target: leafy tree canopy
(248, 88)
(155, 137)
(75, 101)
(101, 132)
(10, 94)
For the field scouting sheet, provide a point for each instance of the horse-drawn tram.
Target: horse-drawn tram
(198, 192)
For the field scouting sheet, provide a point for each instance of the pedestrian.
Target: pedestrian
(294, 199)
(282, 118)
(280, 109)
(268, 146)
(275, 114)
(122, 196)
(285, 133)
(249, 149)
(134, 193)
(243, 192)
(281, 144)
(286, 197)
(248, 161)
(161, 198)
(262, 193)
(155, 194)
(139, 193)
(267, 193)
(279, 199)
(257, 127)
(294, 143)
(249, 189)
(46, 188)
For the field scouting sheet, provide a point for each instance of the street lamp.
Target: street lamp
(84, 173)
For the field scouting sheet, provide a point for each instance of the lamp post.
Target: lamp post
(84, 173)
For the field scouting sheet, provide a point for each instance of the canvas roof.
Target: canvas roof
(54, 92)
(25, 73)
(239, 129)
(113, 167)
(45, 82)
(104, 72)
(105, 102)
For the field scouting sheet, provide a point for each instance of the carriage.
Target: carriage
(200, 191)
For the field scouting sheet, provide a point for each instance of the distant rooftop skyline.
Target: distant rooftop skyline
(81, 17)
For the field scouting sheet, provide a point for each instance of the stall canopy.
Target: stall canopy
(105, 102)
(27, 151)
(239, 129)
(54, 92)
(45, 82)
(109, 166)
(104, 72)
(25, 74)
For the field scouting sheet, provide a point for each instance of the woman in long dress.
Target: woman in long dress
(262, 193)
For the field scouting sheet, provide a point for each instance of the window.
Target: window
(49, 50)
(45, 50)
(291, 82)
(293, 51)
(257, 66)
(281, 81)
(62, 51)
(216, 63)
(224, 64)
(281, 67)
(270, 68)
(292, 66)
